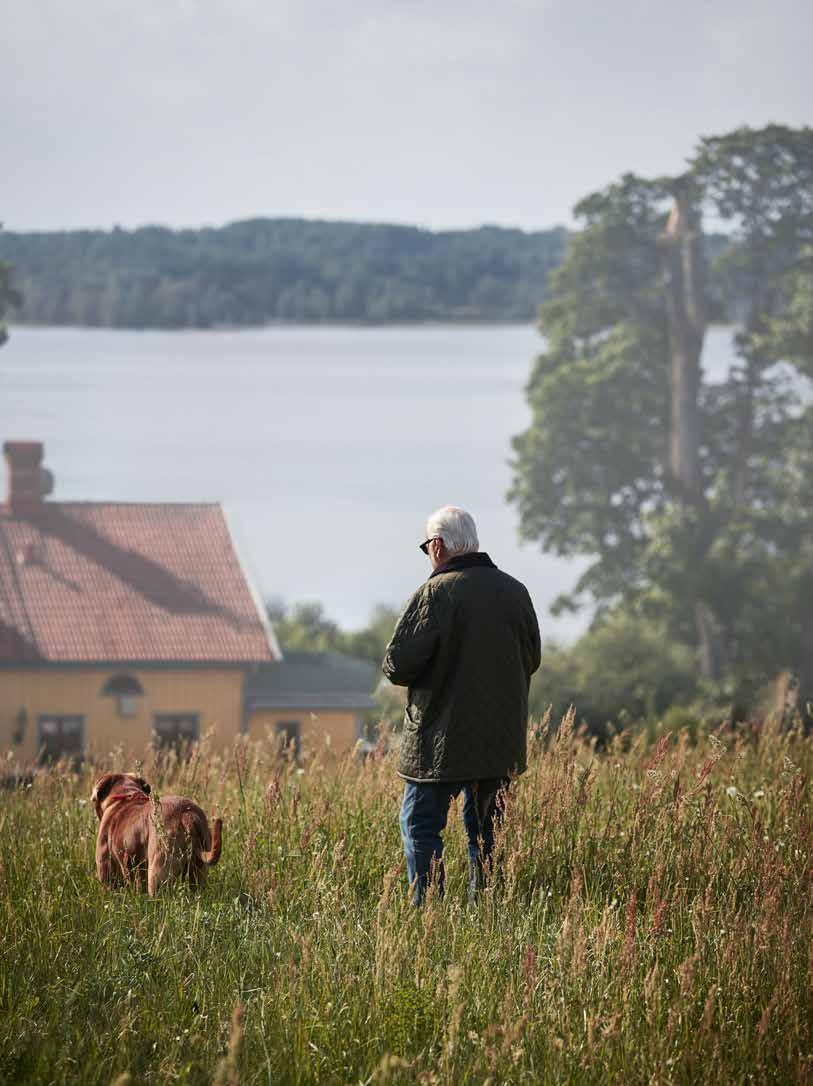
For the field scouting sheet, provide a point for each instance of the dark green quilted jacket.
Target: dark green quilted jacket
(466, 646)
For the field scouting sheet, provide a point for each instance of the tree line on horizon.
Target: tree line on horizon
(10, 297)
(279, 270)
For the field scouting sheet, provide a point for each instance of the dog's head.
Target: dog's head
(119, 783)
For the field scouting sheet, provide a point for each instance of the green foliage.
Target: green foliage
(760, 564)
(592, 472)
(624, 669)
(653, 923)
(305, 626)
(789, 333)
(264, 270)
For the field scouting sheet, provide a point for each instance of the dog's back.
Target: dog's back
(122, 844)
(148, 841)
(189, 836)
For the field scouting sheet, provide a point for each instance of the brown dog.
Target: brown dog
(139, 837)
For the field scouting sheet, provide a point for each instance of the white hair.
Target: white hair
(455, 527)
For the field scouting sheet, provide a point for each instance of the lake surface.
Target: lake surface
(328, 446)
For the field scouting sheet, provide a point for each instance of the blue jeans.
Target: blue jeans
(424, 811)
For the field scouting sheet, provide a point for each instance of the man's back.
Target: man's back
(466, 646)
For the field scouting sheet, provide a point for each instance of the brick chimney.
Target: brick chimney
(27, 481)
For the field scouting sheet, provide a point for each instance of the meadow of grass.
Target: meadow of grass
(652, 924)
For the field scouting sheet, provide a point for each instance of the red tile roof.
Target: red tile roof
(110, 582)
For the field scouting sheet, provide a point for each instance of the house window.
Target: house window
(289, 735)
(128, 705)
(176, 730)
(61, 737)
(126, 689)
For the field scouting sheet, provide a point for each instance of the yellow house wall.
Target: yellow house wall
(338, 728)
(215, 694)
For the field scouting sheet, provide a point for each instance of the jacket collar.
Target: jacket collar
(463, 561)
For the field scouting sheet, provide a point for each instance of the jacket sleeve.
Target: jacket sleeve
(415, 640)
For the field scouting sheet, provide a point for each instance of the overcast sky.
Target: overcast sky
(446, 113)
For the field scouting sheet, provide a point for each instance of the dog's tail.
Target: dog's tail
(207, 844)
(214, 841)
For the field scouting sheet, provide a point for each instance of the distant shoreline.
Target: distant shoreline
(356, 326)
(280, 271)
(290, 326)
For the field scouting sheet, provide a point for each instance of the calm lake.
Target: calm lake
(328, 446)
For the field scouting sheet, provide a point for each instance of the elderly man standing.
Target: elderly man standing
(466, 646)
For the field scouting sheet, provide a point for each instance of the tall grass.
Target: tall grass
(652, 924)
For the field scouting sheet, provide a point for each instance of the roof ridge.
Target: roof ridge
(141, 504)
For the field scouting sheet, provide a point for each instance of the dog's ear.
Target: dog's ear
(102, 789)
(142, 784)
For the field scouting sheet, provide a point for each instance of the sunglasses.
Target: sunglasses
(425, 545)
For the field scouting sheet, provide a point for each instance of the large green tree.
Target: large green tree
(692, 498)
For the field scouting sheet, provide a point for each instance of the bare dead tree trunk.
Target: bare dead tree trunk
(684, 283)
(683, 263)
